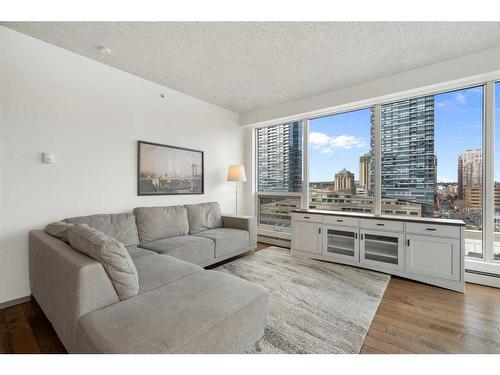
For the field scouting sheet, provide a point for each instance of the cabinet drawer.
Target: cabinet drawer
(433, 229)
(341, 220)
(382, 224)
(307, 217)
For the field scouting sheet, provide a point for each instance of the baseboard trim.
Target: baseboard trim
(14, 302)
(482, 278)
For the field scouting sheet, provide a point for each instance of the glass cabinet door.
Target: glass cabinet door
(341, 243)
(384, 248)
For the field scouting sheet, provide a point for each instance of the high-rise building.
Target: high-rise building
(364, 171)
(474, 197)
(279, 158)
(407, 144)
(470, 171)
(344, 182)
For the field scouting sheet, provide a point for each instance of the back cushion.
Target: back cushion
(203, 216)
(154, 223)
(111, 254)
(119, 226)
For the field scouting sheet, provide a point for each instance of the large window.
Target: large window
(432, 159)
(279, 172)
(429, 156)
(340, 162)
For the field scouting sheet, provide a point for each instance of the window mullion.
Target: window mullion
(377, 156)
(489, 171)
(305, 166)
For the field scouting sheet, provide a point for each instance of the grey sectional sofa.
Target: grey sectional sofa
(179, 308)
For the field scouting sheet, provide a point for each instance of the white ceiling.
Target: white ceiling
(250, 65)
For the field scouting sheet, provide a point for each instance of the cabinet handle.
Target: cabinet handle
(431, 229)
(362, 236)
(307, 217)
(319, 230)
(408, 242)
(355, 235)
(380, 225)
(340, 221)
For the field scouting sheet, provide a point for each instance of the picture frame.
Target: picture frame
(169, 170)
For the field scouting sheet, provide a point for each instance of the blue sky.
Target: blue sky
(338, 141)
(457, 127)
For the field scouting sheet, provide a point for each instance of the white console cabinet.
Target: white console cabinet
(422, 249)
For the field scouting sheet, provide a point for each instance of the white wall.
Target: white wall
(460, 70)
(90, 116)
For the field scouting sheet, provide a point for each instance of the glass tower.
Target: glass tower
(279, 155)
(409, 169)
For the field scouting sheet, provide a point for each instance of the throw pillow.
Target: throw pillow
(111, 254)
(59, 229)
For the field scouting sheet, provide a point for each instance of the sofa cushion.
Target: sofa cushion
(227, 240)
(154, 223)
(208, 312)
(136, 252)
(159, 270)
(59, 229)
(119, 226)
(197, 250)
(111, 254)
(203, 216)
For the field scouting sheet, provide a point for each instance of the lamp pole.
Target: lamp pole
(236, 188)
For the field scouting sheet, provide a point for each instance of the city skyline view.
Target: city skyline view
(337, 141)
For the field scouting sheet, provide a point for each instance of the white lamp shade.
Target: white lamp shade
(236, 173)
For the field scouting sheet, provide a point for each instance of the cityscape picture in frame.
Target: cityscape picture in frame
(168, 170)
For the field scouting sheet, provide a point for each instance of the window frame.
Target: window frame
(279, 232)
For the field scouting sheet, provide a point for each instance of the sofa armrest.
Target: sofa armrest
(248, 223)
(66, 284)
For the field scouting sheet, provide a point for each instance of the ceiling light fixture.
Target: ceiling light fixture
(105, 51)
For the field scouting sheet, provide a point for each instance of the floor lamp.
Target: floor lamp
(236, 174)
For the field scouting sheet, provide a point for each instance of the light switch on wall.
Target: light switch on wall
(47, 158)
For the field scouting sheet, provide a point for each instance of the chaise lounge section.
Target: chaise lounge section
(179, 306)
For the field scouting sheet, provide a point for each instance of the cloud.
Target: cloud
(458, 98)
(328, 145)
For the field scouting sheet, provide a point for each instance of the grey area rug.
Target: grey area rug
(315, 306)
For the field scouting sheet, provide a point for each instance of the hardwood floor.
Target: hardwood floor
(412, 318)
(418, 318)
(25, 329)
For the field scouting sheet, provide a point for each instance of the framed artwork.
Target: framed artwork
(168, 170)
